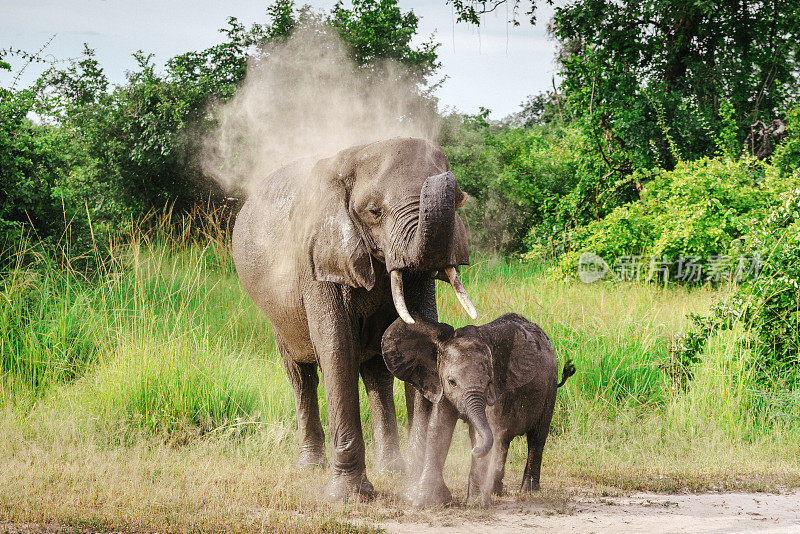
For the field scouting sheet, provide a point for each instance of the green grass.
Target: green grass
(149, 394)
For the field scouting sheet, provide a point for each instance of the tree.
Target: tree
(377, 30)
(32, 167)
(655, 74)
(538, 110)
(38, 164)
(470, 11)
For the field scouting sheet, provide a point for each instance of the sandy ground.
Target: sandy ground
(650, 513)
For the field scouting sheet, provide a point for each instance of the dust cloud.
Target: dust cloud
(304, 97)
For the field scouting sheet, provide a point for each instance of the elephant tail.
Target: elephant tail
(568, 371)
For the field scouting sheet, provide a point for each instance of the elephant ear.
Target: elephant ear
(410, 352)
(517, 351)
(337, 252)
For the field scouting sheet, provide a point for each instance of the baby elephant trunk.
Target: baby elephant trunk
(475, 412)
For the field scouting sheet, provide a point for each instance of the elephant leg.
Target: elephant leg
(495, 469)
(421, 299)
(431, 489)
(536, 439)
(305, 380)
(477, 472)
(410, 392)
(379, 383)
(533, 466)
(333, 336)
(417, 435)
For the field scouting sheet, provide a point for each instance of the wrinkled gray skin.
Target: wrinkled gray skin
(499, 377)
(313, 247)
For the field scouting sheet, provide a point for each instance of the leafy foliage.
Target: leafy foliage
(30, 164)
(539, 110)
(700, 209)
(377, 30)
(771, 304)
(108, 154)
(471, 11)
(787, 156)
(543, 182)
(654, 76)
(767, 306)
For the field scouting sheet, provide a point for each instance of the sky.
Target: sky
(495, 66)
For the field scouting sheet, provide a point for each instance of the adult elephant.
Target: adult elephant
(332, 251)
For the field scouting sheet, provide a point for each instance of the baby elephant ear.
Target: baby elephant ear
(491, 394)
(410, 351)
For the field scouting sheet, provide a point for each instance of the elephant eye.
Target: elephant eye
(451, 382)
(374, 210)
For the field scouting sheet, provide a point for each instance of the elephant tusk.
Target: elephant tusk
(461, 293)
(398, 298)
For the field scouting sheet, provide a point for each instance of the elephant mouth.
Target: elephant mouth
(430, 236)
(398, 297)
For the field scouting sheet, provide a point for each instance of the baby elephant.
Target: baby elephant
(508, 365)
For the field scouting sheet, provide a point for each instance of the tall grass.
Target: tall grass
(46, 333)
(158, 334)
(159, 337)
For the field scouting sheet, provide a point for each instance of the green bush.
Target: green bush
(768, 306)
(700, 210)
(787, 156)
(530, 185)
(35, 171)
(547, 172)
(771, 303)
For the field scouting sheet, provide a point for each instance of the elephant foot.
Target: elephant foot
(428, 494)
(528, 485)
(413, 472)
(473, 490)
(311, 458)
(479, 497)
(343, 486)
(391, 462)
(498, 488)
(410, 493)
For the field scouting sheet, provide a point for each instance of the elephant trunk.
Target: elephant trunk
(437, 215)
(475, 412)
(436, 242)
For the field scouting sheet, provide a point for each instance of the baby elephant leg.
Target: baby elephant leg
(533, 467)
(477, 472)
(495, 469)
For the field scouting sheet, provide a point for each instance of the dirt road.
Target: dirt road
(642, 512)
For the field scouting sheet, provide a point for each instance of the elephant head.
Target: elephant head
(439, 361)
(389, 204)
